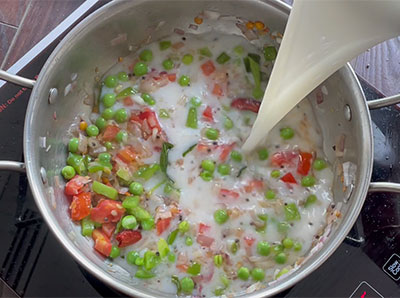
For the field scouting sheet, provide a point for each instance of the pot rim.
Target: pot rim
(33, 166)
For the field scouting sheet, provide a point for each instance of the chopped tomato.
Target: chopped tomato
(288, 178)
(182, 267)
(249, 240)
(203, 228)
(246, 104)
(172, 77)
(204, 240)
(128, 237)
(282, 158)
(128, 101)
(208, 68)
(107, 211)
(81, 205)
(162, 225)
(304, 163)
(226, 193)
(108, 228)
(110, 132)
(101, 242)
(151, 118)
(75, 185)
(127, 155)
(226, 150)
(217, 90)
(208, 115)
(254, 184)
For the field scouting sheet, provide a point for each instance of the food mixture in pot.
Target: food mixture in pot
(157, 178)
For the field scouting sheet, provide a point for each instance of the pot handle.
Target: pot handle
(24, 82)
(383, 102)
(384, 187)
(12, 166)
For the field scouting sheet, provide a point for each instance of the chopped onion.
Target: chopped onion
(349, 173)
(83, 143)
(193, 27)
(212, 15)
(119, 39)
(340, 143)
(249, 34)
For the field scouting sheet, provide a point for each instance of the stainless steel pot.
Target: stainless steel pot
(67, 81)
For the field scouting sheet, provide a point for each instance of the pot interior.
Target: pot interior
(93, 47)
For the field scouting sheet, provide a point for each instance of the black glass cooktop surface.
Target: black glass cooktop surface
(34, 264)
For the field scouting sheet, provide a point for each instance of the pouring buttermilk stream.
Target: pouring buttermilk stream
(320, 37)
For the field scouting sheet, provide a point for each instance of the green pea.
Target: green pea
(114, 252)
(257, 274)
(183, 227)
(205, 52)
(263, 248)
(280, 258)
(131, 257)
(171, 257)
(123, 76)
(187, 285)
(311, 199)
(308, 181)
(146, 55)
(263, 154)
(208, 165)
(297, 246)
(140, 69)
(319, 164)
(121, 115)
(108, 113)
(270, 53)
(101, 123)
(236, 156)
(212, 134)
(109, 100)
(206, 175)
(184, 81)
(165, 44)
(105, 157)
(221, 216)
(195, 101)
(111, 81)
(219, 291)
(73, 145)
(275, 174)
(228, 123)
(287, 133)
(194, 269)
(129, 222)
(148, 99)
(131, 202)
(188, 241)
(143, 274)
(136, 188)
(243, 273)
(218, 260)
(163, 113)
(278, 248)
(148, 224)
(168, 64)
(92, 130)
(238, 50)
(109, 145)
(187, 59)
(121, 136)
(224, 169)
(270, 194)
(287, 243)
(68, 172)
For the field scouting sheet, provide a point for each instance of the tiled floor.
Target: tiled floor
(25, 22)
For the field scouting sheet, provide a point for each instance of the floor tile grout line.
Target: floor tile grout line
(16, 35)
(8, 25)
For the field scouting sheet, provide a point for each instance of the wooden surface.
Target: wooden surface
(23, 23)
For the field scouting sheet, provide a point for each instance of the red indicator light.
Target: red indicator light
(363, 295)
